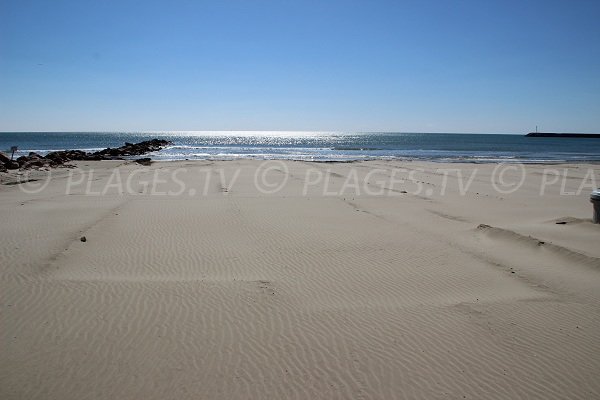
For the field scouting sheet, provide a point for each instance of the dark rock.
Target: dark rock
(58, 158)
(4, 159)
(83, 239)
(94, 157)
(33, 160)
(67, 155)
(54, 154)
(110, 152)
(35, 163)
(76, 155)
(3, 168)
(129, 149)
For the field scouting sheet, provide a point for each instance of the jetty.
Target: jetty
(565, 135)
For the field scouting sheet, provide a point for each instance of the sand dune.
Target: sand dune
(316, 290)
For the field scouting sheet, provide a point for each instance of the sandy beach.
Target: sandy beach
(297, 280)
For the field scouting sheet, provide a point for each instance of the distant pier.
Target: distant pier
(566, 135)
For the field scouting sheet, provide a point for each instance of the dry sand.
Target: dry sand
(220, 290)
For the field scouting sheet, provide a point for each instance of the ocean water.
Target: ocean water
(321, 146)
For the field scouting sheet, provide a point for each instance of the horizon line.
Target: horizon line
(264, 131)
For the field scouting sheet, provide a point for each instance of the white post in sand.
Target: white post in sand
(595, 199)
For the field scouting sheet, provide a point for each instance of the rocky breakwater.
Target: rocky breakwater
(60, 158)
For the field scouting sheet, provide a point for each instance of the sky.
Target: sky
(403, 66)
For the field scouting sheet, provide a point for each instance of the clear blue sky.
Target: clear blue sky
(425, 66)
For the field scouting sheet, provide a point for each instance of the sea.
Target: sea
(321, 146)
